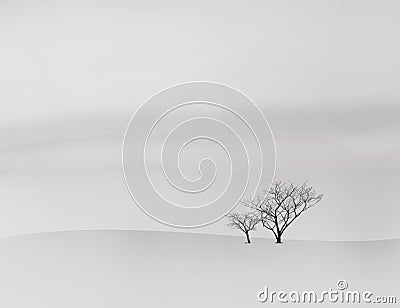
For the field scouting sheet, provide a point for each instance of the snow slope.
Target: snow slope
(166, 269)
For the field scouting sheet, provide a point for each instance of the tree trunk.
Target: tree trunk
(248, 238)
(279, 238)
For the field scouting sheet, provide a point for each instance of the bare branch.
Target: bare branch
(244, 222)
(282, 204)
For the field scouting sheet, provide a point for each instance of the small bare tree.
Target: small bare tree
(245, 222)
(282, 204)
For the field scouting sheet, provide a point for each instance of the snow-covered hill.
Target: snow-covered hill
(165, 269)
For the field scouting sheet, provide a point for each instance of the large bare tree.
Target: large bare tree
(244, 222)
(282, 204)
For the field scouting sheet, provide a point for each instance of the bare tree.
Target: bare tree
(245, 222)
(282, 204)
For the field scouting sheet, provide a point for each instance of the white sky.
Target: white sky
(72, 73)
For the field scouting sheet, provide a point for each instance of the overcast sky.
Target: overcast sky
(325, 74)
